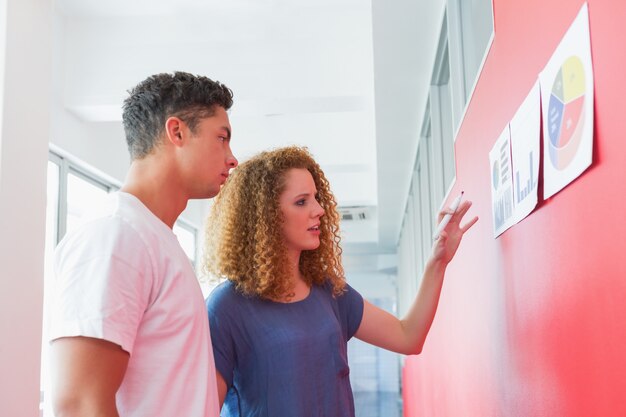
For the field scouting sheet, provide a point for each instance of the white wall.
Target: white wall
(24, 132)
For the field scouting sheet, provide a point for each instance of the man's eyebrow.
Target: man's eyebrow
(227, 129)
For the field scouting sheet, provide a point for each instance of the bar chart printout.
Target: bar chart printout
(525, 145)
(501, 183)
(529, 186)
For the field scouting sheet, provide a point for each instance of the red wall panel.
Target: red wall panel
(533, 323)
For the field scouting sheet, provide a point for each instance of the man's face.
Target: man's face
(208, 158)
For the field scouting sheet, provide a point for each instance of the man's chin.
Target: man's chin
(207, 194)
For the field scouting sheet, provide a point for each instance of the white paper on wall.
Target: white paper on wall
(567, 108)
(501, 183)
(525, 146)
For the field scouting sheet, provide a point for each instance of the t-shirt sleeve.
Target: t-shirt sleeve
(102, 285)
(219, 308)
(351, 310)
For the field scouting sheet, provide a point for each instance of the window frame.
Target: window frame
(463, 53)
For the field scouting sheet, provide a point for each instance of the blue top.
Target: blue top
(284, 359)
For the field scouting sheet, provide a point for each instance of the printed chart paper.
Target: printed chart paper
(525, 146)
(501, 183)
(567, 107)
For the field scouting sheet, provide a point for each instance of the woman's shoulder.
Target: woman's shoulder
(224, 293)
(329, 287)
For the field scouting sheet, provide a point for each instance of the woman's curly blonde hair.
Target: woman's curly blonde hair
(244, 240)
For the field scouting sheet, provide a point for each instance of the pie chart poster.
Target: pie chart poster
(567, 108)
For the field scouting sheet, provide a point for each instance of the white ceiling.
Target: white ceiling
(347, 78)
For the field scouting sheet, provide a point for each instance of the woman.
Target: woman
(281, 322)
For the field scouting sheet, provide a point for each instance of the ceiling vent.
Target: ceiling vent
(354, 213)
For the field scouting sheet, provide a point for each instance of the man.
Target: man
(129, 328)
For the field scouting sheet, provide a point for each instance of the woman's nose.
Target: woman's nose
(319, 212)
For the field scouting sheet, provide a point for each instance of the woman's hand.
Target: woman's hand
(449, 239)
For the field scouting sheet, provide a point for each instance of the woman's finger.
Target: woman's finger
(469, 224)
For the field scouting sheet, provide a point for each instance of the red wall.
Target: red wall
(534, 323)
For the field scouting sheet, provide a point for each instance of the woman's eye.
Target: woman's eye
(300, 203)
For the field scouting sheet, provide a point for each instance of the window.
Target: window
(83, 192)
(406, 263)
(470, 31)
(442, 120)
(427, 212)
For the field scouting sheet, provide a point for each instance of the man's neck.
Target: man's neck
(153, 183)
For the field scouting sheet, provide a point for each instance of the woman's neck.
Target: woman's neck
(300, 288)
(293, 258)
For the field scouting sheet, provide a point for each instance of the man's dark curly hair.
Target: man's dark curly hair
(187, 96)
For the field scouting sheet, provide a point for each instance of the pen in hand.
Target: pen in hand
(448, 216)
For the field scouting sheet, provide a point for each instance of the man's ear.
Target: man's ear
(174, 130)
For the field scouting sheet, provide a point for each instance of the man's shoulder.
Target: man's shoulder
(101, 229)
(102, 234)
(118, 219)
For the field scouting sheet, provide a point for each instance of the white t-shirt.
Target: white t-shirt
(123, 277)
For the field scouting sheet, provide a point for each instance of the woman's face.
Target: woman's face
(301, 211)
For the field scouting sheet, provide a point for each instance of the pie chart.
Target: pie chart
(495, 175)
(566, 112)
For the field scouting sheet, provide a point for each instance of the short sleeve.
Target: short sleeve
(219, 305)
(351, 310)
(101, 291)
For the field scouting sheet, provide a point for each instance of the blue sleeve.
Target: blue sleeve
(220, 304)
(351, 310)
